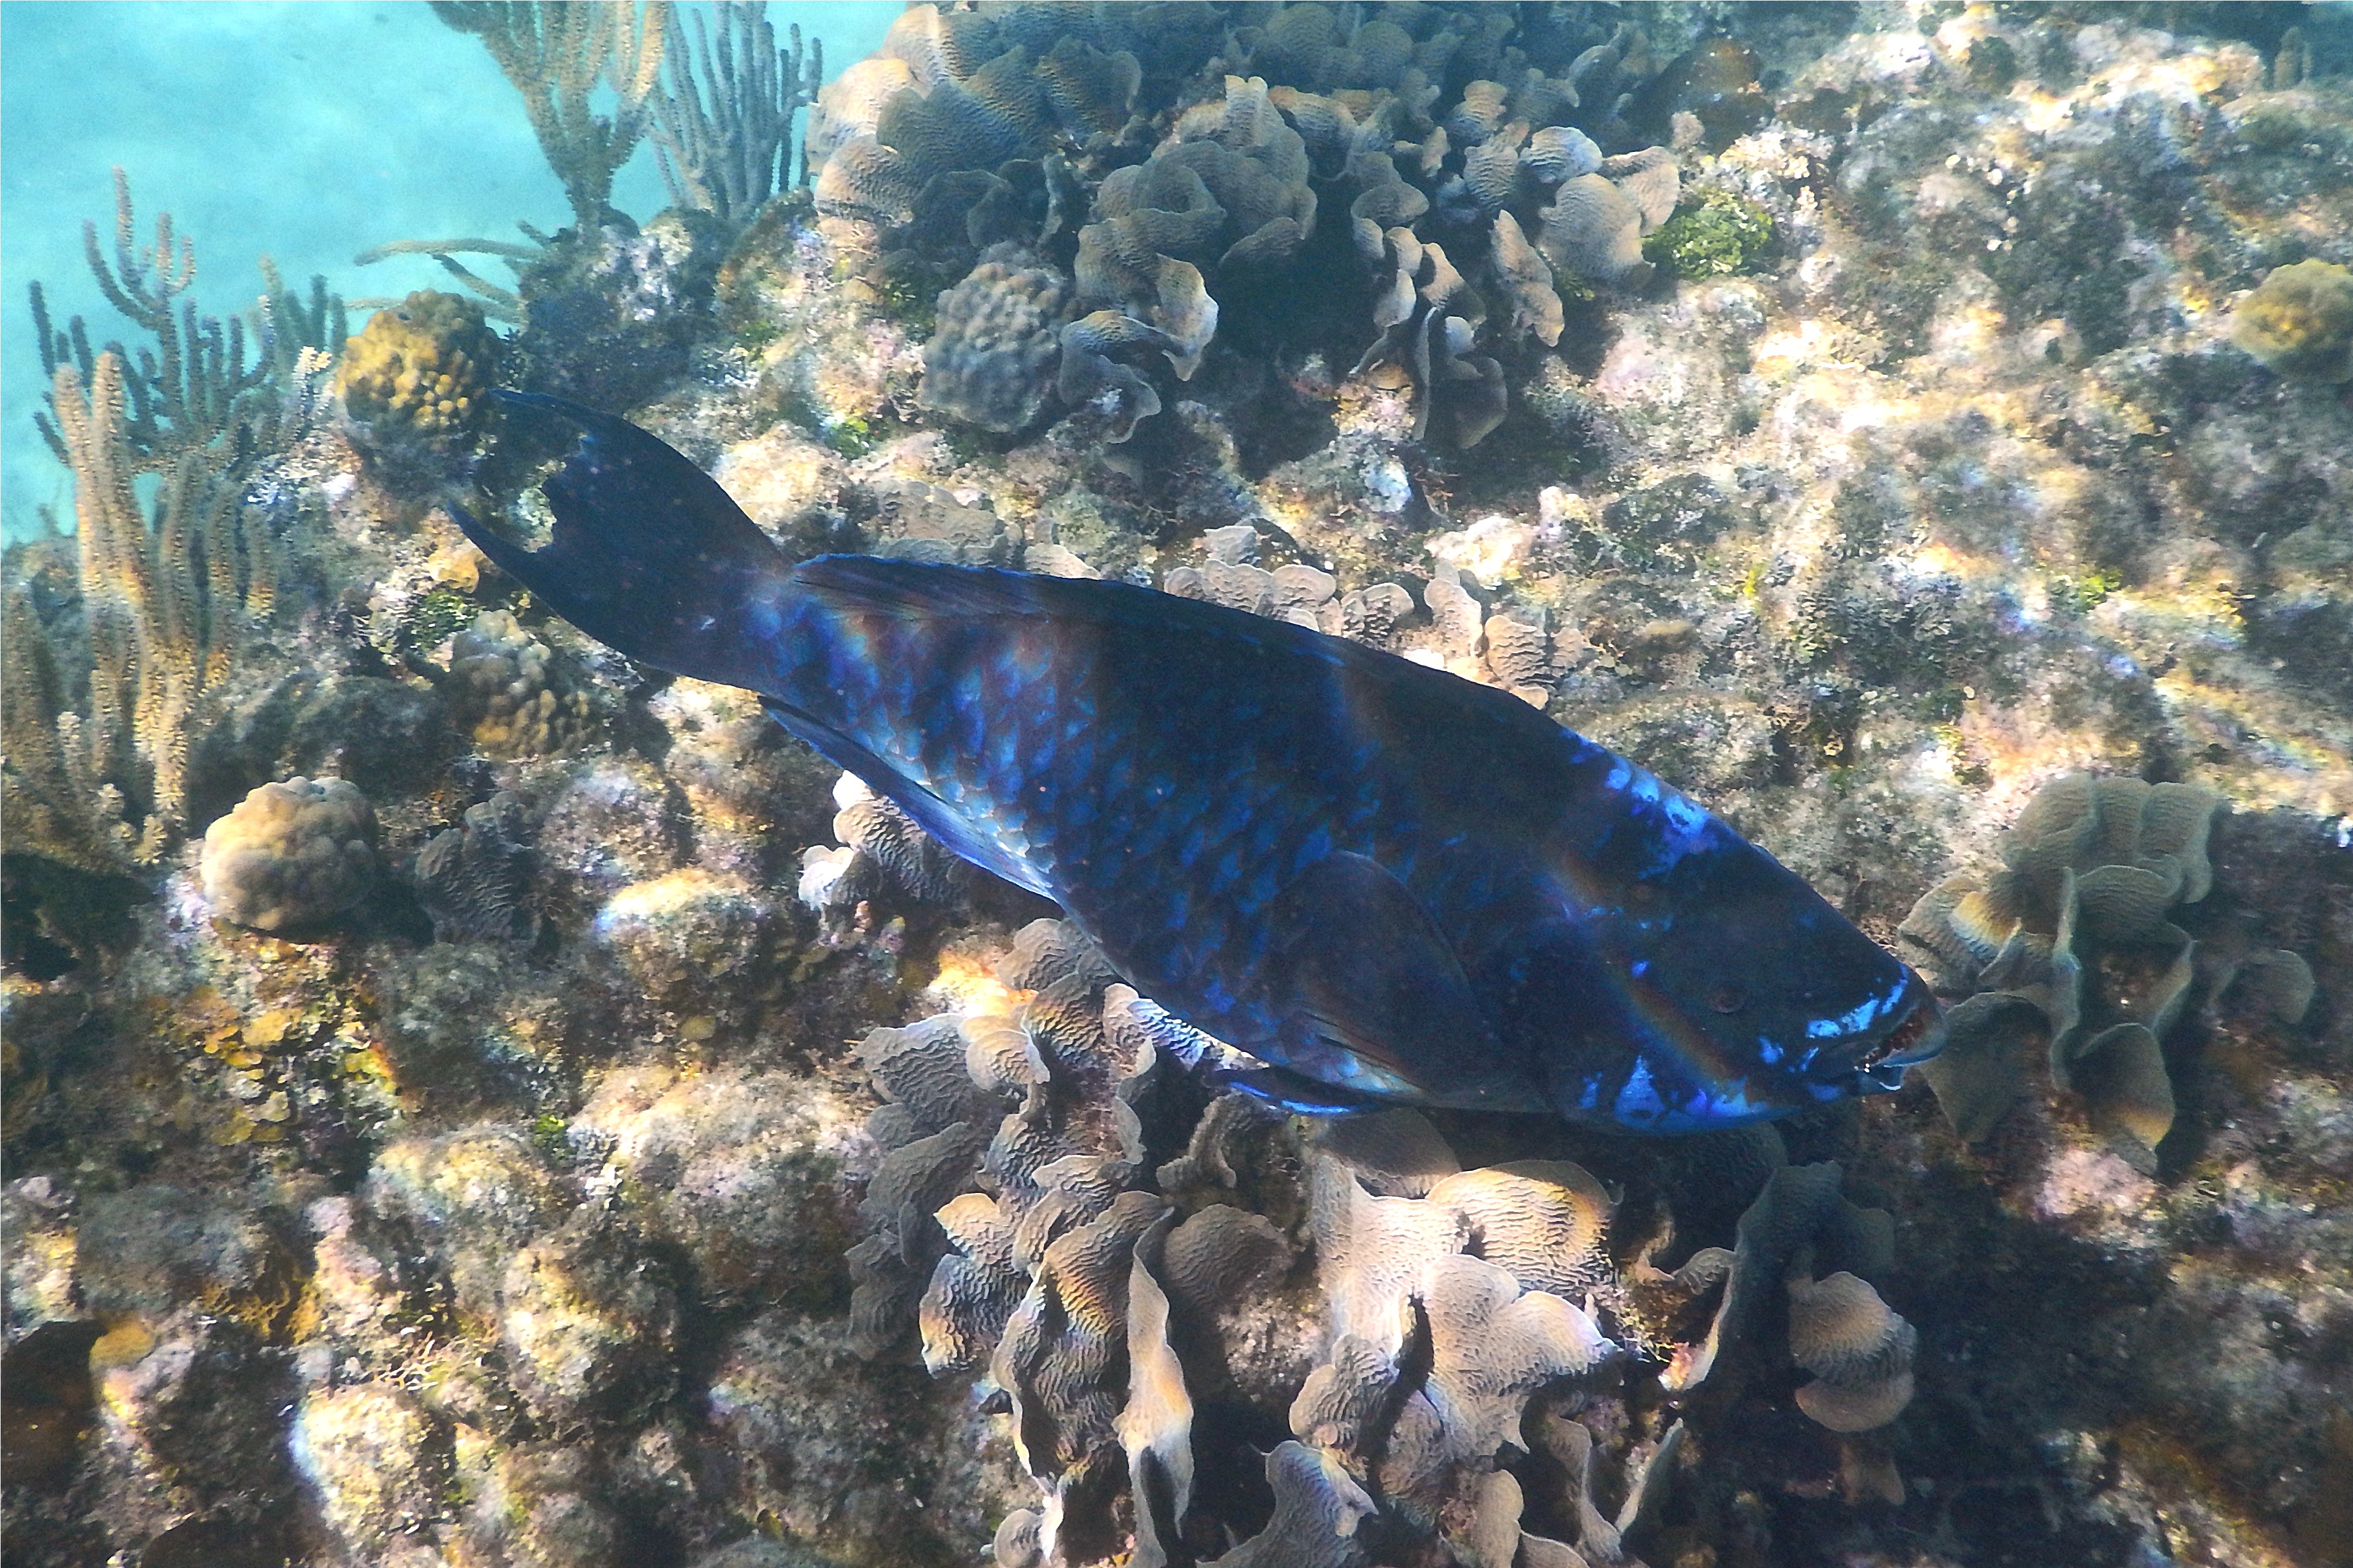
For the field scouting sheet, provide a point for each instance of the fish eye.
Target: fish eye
(1726, 998)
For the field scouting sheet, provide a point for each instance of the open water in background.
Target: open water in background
(308, 132)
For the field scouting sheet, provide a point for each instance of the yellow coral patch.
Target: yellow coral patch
(419, 369)
(124, 1344)
(2299, 323)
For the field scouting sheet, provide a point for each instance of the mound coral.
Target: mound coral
(290, 855)
(2299, 322)
(515, 703)
(473, 878)
(992, 361)
(416, 376)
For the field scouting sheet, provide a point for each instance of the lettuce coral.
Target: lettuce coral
(1025, 1220)
(2091, 874)
(1447, 132)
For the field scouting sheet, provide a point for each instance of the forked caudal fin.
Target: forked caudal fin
(649, 555)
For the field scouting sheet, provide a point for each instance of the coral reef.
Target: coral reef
(582, 1195)
(1223, 211)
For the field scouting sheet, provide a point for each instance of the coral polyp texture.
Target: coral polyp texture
(291, 854)
(419, 371)
(519, 706)
(581, 1127)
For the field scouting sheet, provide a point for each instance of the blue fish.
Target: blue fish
(1382, 881)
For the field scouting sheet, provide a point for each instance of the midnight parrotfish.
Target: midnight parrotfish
(1381, 881)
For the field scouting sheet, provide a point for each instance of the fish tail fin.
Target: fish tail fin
(649, 555)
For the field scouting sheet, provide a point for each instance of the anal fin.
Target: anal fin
(931, 814)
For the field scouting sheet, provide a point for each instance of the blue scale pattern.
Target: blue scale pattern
(1172, 772)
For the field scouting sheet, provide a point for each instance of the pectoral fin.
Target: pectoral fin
(1291, 1091)
(1364, 969)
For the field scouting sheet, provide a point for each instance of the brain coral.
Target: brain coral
(2299, 322)
(290, 855)
(473, 879)
(417, 372)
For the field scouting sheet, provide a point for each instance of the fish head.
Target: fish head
(1754, 998)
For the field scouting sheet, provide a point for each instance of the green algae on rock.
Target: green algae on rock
(1713, 234)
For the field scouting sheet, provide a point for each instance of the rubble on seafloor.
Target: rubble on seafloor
(468, 1100)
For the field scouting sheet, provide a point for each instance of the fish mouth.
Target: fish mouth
(1917, 1037)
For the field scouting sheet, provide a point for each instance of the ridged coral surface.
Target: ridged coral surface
(542, 1115)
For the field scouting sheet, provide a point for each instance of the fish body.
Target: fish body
(1384, 882)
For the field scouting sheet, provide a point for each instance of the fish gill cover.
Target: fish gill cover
(610, 1137)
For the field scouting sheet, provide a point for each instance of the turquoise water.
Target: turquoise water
(305, 132)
